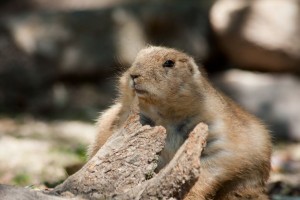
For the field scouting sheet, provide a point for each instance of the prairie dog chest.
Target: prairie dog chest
(176, 135)
(176, 132)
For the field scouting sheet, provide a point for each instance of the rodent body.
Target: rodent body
(173, 92)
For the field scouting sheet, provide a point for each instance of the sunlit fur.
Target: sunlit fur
(236, 161)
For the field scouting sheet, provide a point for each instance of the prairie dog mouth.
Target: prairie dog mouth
(137, 88)
(140, 91)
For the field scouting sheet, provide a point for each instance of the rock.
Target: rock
(9, 6)
(20, 77)
(94, 42)
(260, 34)
(59, 62)
(273, 98)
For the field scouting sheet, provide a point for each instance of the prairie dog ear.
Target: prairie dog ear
(194, 68)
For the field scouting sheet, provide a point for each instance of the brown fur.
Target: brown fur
(236, 162)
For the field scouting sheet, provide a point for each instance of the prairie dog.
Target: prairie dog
(173, 92)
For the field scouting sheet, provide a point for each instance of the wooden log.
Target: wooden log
(124, 168)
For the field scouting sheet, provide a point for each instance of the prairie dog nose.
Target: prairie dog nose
(134, 76)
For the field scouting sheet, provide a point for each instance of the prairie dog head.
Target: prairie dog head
(161, 74)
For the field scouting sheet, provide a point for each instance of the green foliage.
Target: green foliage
(22, 179)
(80, 151)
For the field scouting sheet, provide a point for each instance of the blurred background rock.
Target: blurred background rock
(59, 61)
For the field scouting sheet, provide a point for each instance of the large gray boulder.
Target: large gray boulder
(65, 60)
(259, 34)
(272, 97)
(94, 41)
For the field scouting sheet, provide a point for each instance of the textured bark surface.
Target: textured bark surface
(175, 180)
(124, 168)
(127, 159)
(8, 192)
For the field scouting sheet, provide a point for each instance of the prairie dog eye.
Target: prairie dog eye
(169, 63)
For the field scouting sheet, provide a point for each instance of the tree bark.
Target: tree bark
(175, 180)
(124, 168)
